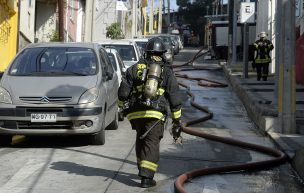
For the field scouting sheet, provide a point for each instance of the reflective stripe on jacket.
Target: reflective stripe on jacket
(132, 87)
(263, 48)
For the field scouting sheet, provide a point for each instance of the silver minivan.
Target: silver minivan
(59, 89)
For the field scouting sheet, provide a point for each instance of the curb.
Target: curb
(266, 122)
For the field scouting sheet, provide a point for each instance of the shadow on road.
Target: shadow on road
(73, 168)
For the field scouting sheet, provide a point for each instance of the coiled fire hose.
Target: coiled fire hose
(279, 156)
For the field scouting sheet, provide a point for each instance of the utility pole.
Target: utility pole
(278, 57)
(168, 16)
(160, 16)
(151, 20)
(134, 28)
(216, 7)
(234, 32)
(89, 20)
(230, 28)
(61, 19)
(287, 83)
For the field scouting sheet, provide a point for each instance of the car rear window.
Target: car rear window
(55, 61)
(112, 59)
(127, 52)
(141, 44)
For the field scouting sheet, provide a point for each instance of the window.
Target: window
(113, 61)
(54, 61)
(127, 52)
(103, 63)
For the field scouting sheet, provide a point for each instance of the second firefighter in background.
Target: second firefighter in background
(148, 88)
(262, 47)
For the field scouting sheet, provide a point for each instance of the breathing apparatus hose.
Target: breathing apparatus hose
(279, 156)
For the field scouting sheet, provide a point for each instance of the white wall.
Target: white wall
(45, 21)
(262, 16)
(27, 20)
(266, 22)
(104, 15)
(80, 23)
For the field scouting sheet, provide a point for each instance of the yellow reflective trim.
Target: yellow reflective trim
(140, 88)
(141, 66)
(160, 91)
(120, 103)
(266, 60)
(177, 114)
(146, 114)
(149, 165)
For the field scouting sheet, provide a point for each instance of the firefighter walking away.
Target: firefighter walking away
(147, 90)
(262, 47)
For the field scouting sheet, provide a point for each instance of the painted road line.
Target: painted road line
(25, 172)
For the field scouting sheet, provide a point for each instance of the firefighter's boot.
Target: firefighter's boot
(147, 182)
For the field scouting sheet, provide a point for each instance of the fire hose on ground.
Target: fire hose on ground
(279, 156)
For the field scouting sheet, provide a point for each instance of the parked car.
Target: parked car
(174, 43)
(127, 49)
(141, 42)
(120, 70)
(59, 89)
(179, 40)
(117, 63)
(169, 46)
(169, 54)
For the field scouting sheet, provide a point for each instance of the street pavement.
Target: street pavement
(69, 165)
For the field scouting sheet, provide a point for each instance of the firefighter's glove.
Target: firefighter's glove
(123, 107)
(176, 131)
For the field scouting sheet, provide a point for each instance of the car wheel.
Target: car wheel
(99, 138)
(5, 140)
(114, 124)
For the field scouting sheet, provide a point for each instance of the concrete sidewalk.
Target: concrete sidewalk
(259, 100)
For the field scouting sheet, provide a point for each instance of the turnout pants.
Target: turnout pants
(147, 149)
(262, 70)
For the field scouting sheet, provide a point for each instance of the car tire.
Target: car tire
(99, 138)
(5, 140)
(114, 124)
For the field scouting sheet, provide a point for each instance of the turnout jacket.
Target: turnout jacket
(263, 48)
(132, 87)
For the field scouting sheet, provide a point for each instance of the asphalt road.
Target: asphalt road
(69, 165)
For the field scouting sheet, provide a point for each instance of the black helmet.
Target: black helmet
(155, 45)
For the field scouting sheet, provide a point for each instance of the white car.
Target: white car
(117, 63)
(120, 70)
(127, 49)
(141, 42)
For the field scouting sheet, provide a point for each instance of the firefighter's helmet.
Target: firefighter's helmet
(263, 34)
(155, 45)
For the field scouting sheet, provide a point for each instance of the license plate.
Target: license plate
(43, 117)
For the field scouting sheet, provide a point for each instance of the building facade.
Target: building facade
(26, 23)
(8, 31)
